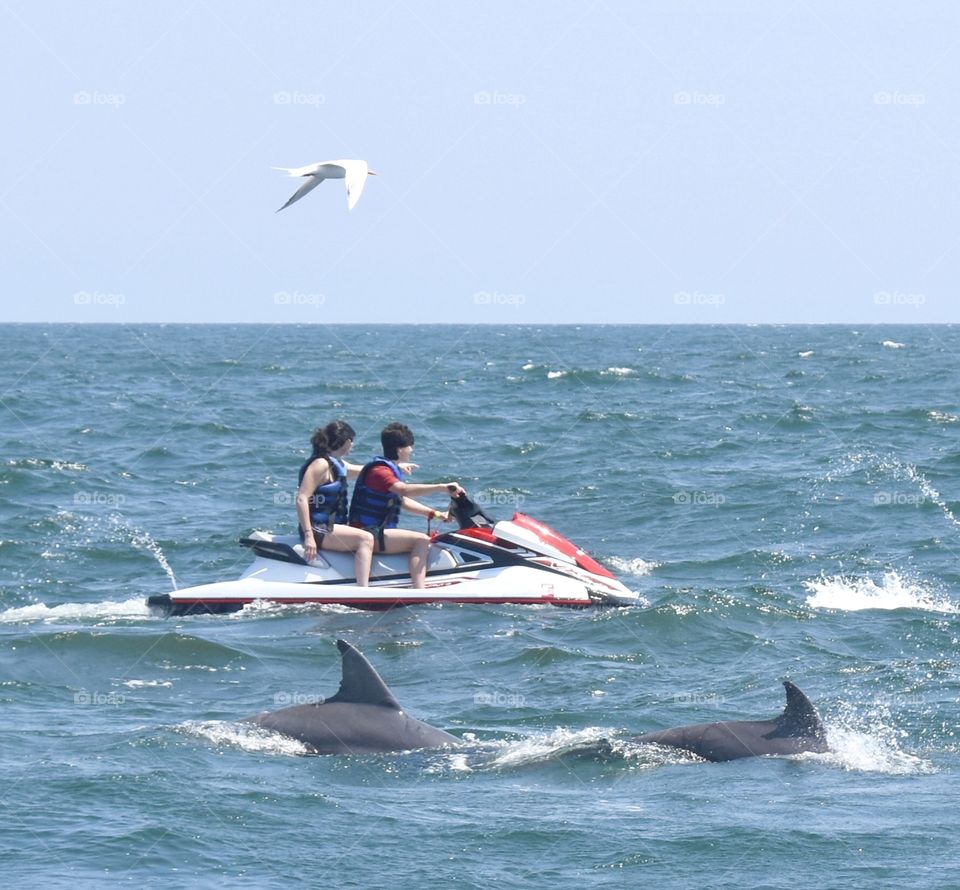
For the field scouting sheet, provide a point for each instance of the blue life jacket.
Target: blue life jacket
(375, 509)
(328, 503)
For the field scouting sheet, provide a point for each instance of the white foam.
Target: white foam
(450, 762)
(846, 594)
(537, 748)
(860, 751)
(806, 353)
(106, 611)
(865, 740)
(266, 608)
(40, 463)
(245, 736)
(553, 375)
(637, 567)
(620, 372)
(893, 344)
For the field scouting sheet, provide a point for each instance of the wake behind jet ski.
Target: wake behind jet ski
(520, 561)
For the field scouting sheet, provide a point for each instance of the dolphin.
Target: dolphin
(362, 718)
(796, 730)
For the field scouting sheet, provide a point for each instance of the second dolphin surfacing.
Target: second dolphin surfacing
(796, 730)
(362, 718)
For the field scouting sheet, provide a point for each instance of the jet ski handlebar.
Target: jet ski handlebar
(468, 514)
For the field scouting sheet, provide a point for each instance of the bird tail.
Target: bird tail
(290, 170)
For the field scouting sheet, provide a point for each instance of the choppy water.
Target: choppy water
(786, 500)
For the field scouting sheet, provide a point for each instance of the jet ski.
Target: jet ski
(519, 561)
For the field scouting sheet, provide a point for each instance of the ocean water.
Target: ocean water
(785, 499)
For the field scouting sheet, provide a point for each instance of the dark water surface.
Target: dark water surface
(786, 500)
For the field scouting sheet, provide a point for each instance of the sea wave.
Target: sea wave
(848, 594)
(626, 566)
(245, 736)
(133, 609)
(550, 746)
(867, 741)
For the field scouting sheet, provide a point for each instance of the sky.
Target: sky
(538, 162)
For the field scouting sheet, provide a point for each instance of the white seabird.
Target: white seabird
(354, 172)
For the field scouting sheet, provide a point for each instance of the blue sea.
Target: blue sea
(786, 501)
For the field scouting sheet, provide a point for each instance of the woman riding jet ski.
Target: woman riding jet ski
(520, 561)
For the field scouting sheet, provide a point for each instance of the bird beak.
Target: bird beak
(371, 172)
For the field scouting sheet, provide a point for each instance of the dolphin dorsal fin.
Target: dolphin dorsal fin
(360, 684)
(799, 717)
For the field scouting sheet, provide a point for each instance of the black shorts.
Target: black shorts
(319, 533)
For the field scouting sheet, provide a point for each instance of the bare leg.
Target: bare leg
(346, 539)
(401, 540)
(418, 563)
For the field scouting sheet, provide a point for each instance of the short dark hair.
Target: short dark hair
(393, 437)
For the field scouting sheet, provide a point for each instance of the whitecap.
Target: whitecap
(549, 746)
(867, 741)
(637, 567)
(847, 594)
(245, 736)
(105, 611)
(267, 608)
(893, 344)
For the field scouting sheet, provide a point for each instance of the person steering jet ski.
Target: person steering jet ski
(381, 491)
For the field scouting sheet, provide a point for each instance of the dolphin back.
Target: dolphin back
(362, 718)
(800, 720)
(360, 684)
(796, 730)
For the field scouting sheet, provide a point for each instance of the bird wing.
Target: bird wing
(355, 176)
(312, 181)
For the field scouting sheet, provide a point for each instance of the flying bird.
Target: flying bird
(354, 172)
